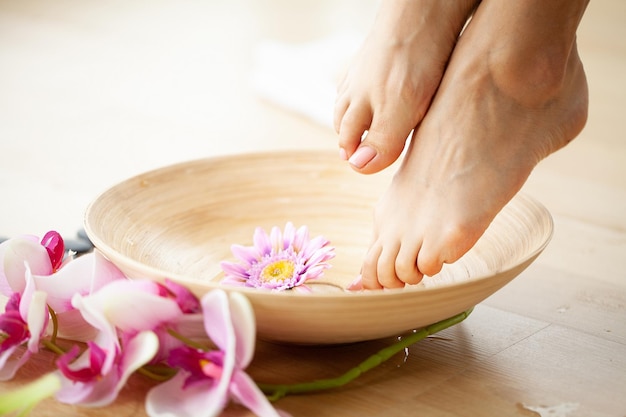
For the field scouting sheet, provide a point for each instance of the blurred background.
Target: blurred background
(93, 92)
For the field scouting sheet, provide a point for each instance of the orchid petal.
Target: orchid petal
(170, 399)
(244, 325)
(127, 305)
(9, 365)
(84, 275)
(37, 319)
(185, 299)
(218, 326)
(53, 242)
(248, 394)
(72, 326)
(139, 351)
(14, 255)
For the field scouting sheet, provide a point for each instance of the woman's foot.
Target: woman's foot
(391, 83)
(514, 92)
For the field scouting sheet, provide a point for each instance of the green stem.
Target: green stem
(55, 325)
(187, 341)
(50, 345)
(159, 374)
(277, 391)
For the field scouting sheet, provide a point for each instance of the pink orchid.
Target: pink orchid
(128, 315)
(279, 261)
(18, 254)
(96, 377)
(207, 379)
(59, 279)
(24, 322)
(84, 275)
(53, 242)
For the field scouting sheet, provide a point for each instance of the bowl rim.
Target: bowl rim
(153, 273)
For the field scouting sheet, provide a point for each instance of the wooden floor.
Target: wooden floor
(94, 92)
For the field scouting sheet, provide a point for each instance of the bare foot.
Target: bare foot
(394, 76)
(514, 92)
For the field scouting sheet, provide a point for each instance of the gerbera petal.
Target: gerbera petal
(234, 270)
(321, 256)
(302, 236)
(313, 245)
(289, 234)
(234, 281)
(262, 241)
(291, 261)
(276, 240)
(247, 254)
(248, 393)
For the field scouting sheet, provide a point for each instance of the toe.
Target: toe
(386, 268)
(449, 245)
(383, 144)
(369, 274)
(341, 105)
(352, 123)
(406, 264)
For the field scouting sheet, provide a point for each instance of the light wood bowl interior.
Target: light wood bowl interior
(179, 222)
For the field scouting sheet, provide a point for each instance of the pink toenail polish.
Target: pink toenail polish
(362, 156)
(342, 154)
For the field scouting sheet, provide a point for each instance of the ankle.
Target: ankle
(536, 77)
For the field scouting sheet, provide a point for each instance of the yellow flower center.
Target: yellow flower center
(278, 271)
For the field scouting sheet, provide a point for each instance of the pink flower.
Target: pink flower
(24, 322)
(206, 380)
(53, 242)
(96, 377)
(26, 257)
(128, 315)
(18, 254)
(279, 261)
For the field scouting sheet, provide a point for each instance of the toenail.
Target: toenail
(342, 154)
(362, 156)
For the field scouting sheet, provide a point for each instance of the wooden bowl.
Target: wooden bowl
(179, 222)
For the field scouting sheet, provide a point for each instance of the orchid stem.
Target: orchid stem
(50, 345)
(55, 324)
(159, 374)
(277, 391)
(187, 341)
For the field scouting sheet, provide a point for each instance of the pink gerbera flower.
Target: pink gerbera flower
(279, 261)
